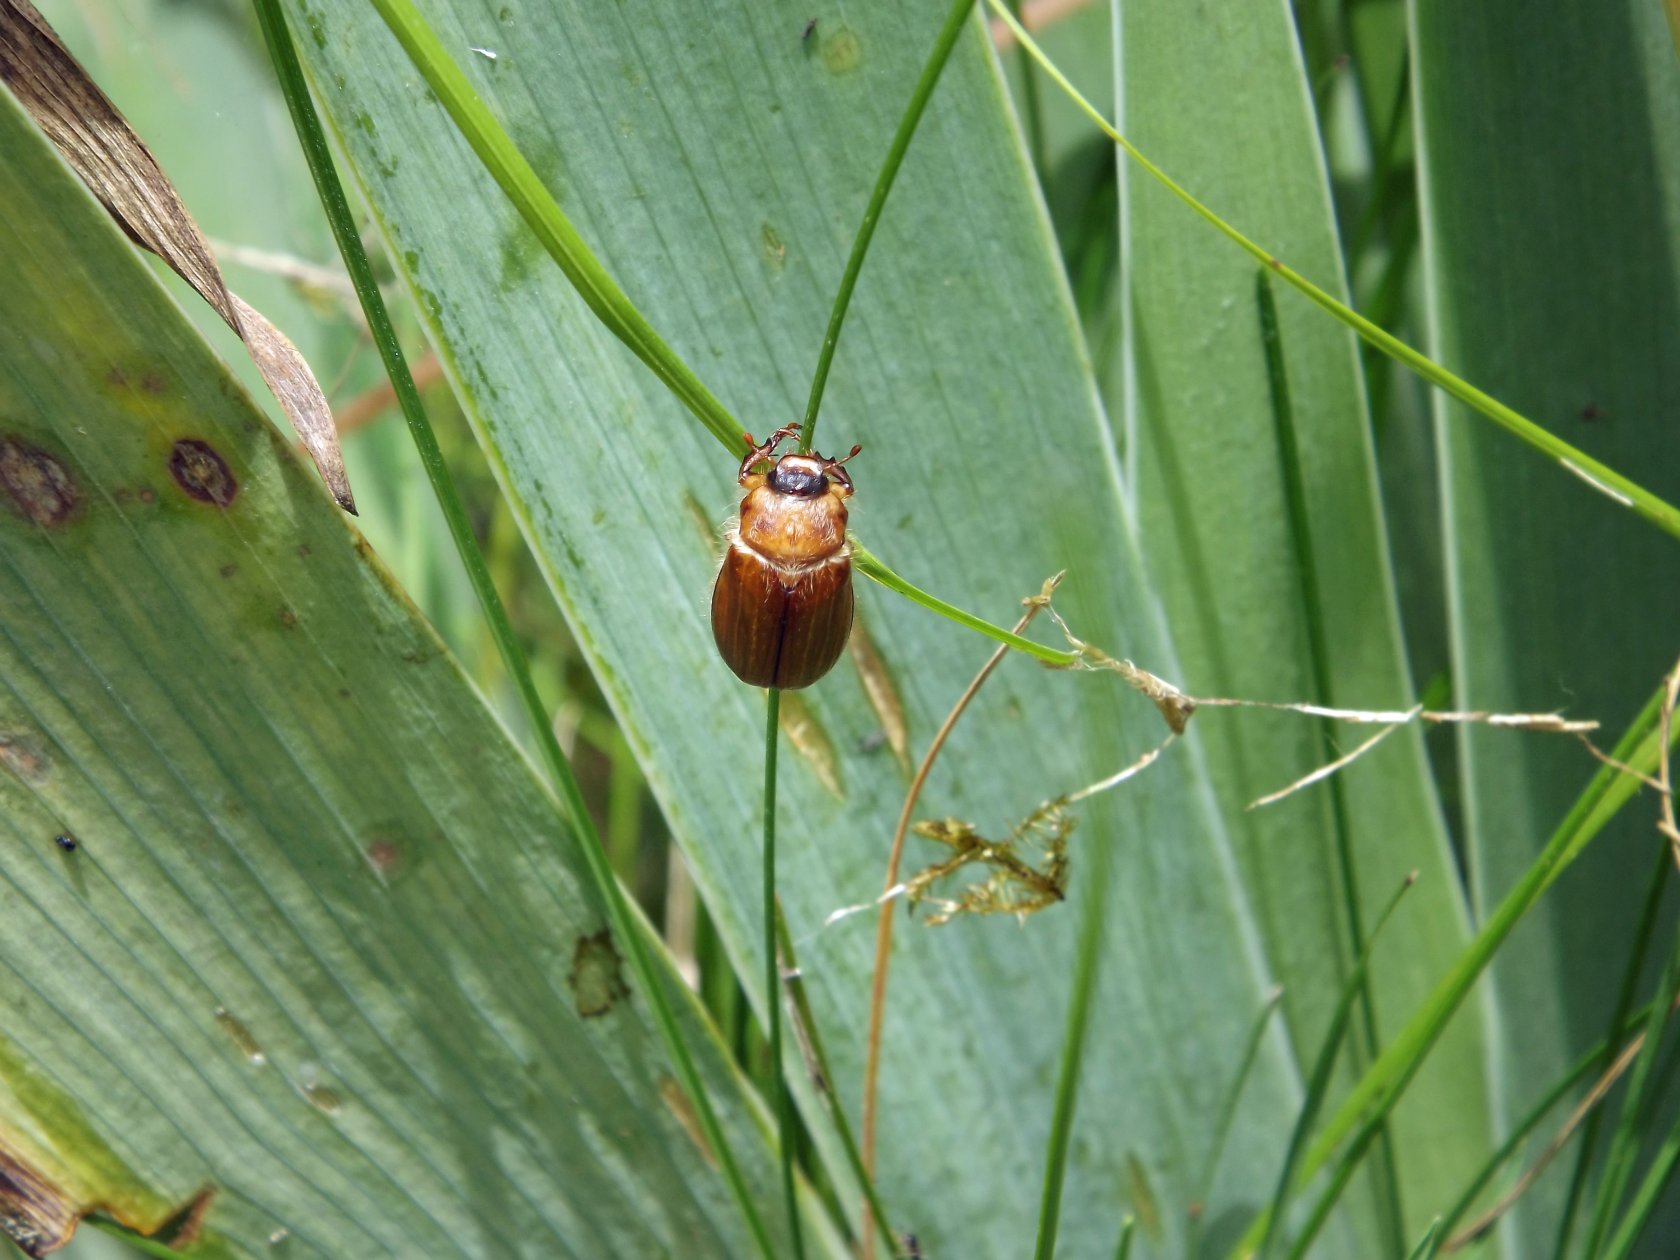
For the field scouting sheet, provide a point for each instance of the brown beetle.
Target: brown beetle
(782, 606)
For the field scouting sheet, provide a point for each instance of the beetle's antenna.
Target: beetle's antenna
(833, 469)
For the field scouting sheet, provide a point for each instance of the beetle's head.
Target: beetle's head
(803, 476)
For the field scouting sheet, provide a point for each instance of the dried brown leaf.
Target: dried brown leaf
(34, 1213)
(96, 140)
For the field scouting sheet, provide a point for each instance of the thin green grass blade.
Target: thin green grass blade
(1128, 1231)
(1318, 1083)
(1073, 1052)
(773, 997)
(836, 1110)
(1228, 1112)
(1429, 1244)
(1591, 1062)
(1635, 1122)
(1646, 1199)
(1601, 477)
(524, 189)
(1633, 969)
(946, 40)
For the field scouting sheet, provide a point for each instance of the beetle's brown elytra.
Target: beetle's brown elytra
(782, 606)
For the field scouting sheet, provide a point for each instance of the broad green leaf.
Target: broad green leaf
(718, 164)
(322, 948)
(1265, 536)
(1550, 164)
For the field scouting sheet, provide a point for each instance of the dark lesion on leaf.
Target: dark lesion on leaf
(597, 975)
(186, 1227)
(200, 470)
(36, 483)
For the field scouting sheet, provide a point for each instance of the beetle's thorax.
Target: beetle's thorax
(792, 530)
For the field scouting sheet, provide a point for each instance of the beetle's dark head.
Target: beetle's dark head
(803, 476)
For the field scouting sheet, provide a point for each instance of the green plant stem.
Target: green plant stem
(1128, 1229)
(1318, 1083)
(1430, 1243)
(1032, 109)
(1605, 479)
(1624, 1000)
(1365, 1041)
(773, 972)
(1583, 1067)
(865, 562)
(1645, 1200)
(1228, 1111)
(1630, 1130)
(819, 1056)
(625, 927)
(525, 190)
(1386, 1080)
(1073, 1053)
(948, 35)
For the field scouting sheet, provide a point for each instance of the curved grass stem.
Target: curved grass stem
(1600, 476)
(912, 117)
(542, 214)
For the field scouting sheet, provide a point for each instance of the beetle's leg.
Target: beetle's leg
(762, 451)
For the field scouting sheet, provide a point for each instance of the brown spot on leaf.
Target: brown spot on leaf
(677, 1100)
(147, 495)
(323, 1098)
(36, 483)
(288, 618)
(811, 741)
(303, 551)
(385, 856)
(596, 976)
(34, 1213)
(228, 570)
(24, 757)
(201, 471)
(881, 691)
(184, 1228)
(241, 1036)
(153, 383)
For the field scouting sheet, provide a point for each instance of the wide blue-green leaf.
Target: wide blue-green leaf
(718, 163)
(316, 944)
(1264, 533)
(1550, 154)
